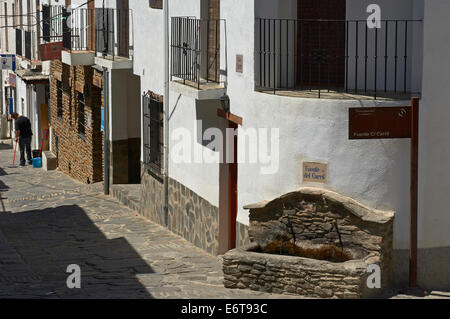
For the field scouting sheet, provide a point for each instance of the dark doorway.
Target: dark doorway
(321, 43)
(124, 27)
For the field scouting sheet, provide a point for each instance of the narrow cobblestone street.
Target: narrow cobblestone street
(49, 221)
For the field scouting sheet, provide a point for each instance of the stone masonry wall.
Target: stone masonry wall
(79, 157)
(244, 269)
(190, 216)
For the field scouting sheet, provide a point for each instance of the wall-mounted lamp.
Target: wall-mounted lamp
(225, 102)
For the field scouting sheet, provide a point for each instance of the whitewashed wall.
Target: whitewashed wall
(311, 130)
(374, 172)
(434, 150)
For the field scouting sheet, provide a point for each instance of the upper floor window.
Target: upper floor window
(153, 126)
(156, 4)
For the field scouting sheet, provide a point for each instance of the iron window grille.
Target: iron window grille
(19, 42)
(153, 131)
(195, 49)
(28, 45)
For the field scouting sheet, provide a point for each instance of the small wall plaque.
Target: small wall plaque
(315, 172)
(239, 63)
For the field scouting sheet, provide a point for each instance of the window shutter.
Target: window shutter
(46, 21)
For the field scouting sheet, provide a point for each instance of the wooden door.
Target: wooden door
(123, 27)
(44, 133)
(91, 29)
(233, 191)
(213, 59)
(321, 44)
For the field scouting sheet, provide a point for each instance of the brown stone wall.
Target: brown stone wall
(80, 157)
(190, 216)
(242, 238)
(244, 269)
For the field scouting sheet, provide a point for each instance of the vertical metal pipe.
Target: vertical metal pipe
(366, 57)
(274, 57)
(310, 57)
(329, 55)
(106, 131)
(320, 59)
(260, 54)
(280, 55)
(346, 55)
(414, 192)
(376, 63)
(287, 53)
(406, 55)
(166, 110)
(396, 55)
(264, 48)
(356, 56)
(386, 56)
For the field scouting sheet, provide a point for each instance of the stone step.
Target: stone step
(49, 161)
(128, 195)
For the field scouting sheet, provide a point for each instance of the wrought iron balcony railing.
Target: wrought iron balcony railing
(196, 51)
(52, 22)
(105, 31)
(338, 56)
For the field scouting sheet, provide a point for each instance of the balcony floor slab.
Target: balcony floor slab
(207, 91)
(114, 63)
(338, 95)
(75, 58)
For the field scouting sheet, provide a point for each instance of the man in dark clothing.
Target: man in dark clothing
(23, 135)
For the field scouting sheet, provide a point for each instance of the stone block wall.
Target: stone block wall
(190, 215)
(80, 157)
(244, 269)
(242, 238)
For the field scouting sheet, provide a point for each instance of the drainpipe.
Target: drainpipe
(166, 110)
(106, 130)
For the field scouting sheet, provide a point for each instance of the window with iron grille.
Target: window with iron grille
(59, 100)
(80, 115)
(153, 131)
(27, 44)
(19, 42)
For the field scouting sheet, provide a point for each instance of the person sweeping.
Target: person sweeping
(23, 136)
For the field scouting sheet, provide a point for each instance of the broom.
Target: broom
(14, 158)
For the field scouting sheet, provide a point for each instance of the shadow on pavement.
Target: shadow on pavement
(50, 240)
(5, 146)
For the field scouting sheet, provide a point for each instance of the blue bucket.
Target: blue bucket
(37, 162)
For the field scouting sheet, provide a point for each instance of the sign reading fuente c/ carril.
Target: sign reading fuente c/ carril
(315, 172)
(379, 122)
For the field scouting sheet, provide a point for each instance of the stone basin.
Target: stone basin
(313, 217)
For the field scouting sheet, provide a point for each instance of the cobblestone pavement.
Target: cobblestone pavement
(49, 221)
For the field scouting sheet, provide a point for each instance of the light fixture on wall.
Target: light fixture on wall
(225, 102)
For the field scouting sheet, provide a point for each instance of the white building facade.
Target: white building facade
(263, 96)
